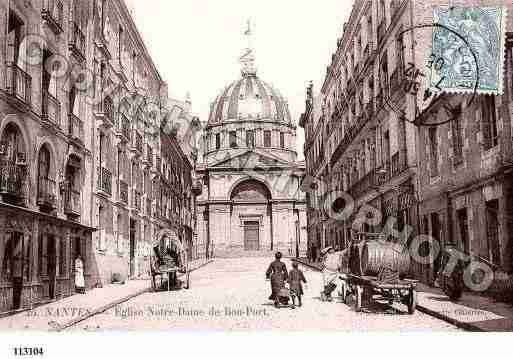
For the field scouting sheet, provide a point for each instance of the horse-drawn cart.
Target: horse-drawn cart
(169, 259)
(367, 287)
(375, 269)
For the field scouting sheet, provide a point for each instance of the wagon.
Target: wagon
(161, 266)
(365, 287)
(373, 269)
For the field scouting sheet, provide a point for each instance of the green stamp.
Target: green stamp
(474, 60)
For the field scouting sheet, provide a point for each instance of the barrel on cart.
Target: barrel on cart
(377, 269)
(169, 258)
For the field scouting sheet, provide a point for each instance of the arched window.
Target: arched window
(45, 185)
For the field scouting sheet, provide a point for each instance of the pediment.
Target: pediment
(250, 159)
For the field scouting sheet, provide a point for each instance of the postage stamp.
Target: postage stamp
(469, 49)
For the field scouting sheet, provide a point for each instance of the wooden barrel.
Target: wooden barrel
(376, 255)
(355, 255)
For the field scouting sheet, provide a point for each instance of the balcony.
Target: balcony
(13, 176)
(379, 100)
(51, 109)
(148, 207)
(72, 202)
(19, 84)
(362, 185)
(77, 42)
(390, 169)
(52, 14)
(395, 5)
(197, 188)
(123, 191)
(104, 181)
(136, 200)
(396, 79)
(137, 143)
(156, 168)
(123, 128)
(105, 113)
(149, 155)
(46, 198)
(76, 128)
(381, 31)
(369, 108)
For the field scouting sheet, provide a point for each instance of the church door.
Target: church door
(251, 236)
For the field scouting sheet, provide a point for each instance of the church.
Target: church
(251, 203)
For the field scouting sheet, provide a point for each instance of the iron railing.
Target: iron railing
(53, 13)
(138, 142)
(76, 127)
(13, 178)
(136, 199)
(123, 191)
(72, 201)
(77, 41)
(46, 192)
(124, 126)
(105, 180)
(51, 109)
(19, 83)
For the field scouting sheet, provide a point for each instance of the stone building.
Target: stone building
(80, 143)
(359, 145)
(251, 202)
(450, 181)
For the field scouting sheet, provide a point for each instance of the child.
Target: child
(295, 278)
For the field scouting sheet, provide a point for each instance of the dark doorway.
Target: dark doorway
(132, 247)
(463, 227)
(13, 263)
(492, 231)
(251, 236)
(51, 265)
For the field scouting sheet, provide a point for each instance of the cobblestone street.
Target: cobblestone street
(231, 294)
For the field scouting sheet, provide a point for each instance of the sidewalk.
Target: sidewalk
(71, 310)
(472, 312)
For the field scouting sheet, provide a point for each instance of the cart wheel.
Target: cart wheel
(412, 301)
(187, 280)
(358, 298)
(343, 292)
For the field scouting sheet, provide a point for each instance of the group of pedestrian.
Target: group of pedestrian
(278, 274)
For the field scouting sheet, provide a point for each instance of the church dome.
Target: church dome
(249, 98)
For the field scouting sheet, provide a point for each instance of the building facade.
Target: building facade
(80, 148)
(451, 181)
(358, 144)
(251, 202)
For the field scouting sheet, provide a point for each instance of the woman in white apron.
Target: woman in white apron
(79, 275)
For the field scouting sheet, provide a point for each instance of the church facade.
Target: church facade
(251, 203)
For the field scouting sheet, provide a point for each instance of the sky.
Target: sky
(196, 45)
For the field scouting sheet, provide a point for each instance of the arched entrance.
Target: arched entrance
(251, 201)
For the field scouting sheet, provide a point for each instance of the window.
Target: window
(218, 141)
(384, 74)
(382, 8)
(492, 231)
(250, 138)
(457, 140)
(62, 257)
(282, 140)
(233, 139)
(489, 123)
(14, 37)
(433, 150)
(267, 138)
(120, 45)
(461, 214)
(400, 52)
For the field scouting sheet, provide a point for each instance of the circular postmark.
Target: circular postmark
(427, 83)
